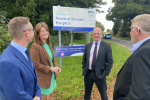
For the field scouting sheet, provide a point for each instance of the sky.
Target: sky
(102, 16)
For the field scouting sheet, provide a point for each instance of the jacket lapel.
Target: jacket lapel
(88, 50)
(46, 54)
(21, 57)
(100, 49)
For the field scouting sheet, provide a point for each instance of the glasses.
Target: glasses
(96, 33)
(131, 28)
(30, 29)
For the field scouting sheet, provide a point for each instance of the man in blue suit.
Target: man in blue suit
(18, 80)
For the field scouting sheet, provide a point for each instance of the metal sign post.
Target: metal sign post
(71, 38)
(88, 37)
(59, 34)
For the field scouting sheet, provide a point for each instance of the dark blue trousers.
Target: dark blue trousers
(89, 79)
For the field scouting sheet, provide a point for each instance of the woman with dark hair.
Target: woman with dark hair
(44, 61)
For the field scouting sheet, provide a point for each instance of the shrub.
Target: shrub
(5, 38)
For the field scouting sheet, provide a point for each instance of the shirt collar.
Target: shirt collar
(138, 44)
(19, 47)
(97, 42)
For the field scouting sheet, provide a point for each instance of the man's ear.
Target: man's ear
(26, 34)
(137, 30)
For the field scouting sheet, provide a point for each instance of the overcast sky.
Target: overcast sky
(102, 16)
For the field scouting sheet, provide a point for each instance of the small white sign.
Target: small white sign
(73, 19)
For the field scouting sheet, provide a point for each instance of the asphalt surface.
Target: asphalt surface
(126, 43)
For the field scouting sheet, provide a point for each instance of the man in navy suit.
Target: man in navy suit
(18, 80)
(97, 62)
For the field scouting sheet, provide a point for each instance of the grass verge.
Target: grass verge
(120, 55)
(70, 83)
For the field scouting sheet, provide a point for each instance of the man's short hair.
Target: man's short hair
(143, 21)
(17, 25)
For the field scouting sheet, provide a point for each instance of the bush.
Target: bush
(5, 38)
(64, 40)
(79, 36)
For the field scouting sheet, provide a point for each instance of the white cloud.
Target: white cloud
(102, 16)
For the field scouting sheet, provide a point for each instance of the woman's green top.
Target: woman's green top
(53, 80)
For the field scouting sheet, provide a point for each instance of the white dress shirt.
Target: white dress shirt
(92, 51)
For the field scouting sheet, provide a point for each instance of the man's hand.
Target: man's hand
(36, 98)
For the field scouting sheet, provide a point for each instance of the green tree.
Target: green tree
(116, 27)
(108, 30)
(124, 11)
(98, 24)
(4, 34)
(41, 10)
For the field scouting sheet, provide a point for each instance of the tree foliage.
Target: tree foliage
(108, 30)
(98, 24)
(116, 27)
(41, 10)
(4, 34)
(124, 11)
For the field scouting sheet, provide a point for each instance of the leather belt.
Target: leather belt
(91, 70)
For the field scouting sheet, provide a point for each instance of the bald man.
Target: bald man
(97, 63)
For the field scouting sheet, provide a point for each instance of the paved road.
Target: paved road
(127, 43)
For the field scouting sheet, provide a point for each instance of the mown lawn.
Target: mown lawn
(70, 83)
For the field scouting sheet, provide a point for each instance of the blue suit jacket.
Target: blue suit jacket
(18, 80)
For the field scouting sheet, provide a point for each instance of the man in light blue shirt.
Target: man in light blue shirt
(18, 80)
(133, 80)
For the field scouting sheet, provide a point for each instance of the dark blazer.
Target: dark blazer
(133, 80)
(103, 61)
(42, 64)
(18, 80)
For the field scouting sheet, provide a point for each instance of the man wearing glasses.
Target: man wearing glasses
(18, 80)
(97, 63)
(133, 80)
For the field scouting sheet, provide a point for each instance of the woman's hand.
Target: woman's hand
(56, 69)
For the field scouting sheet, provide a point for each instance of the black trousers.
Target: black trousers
(89, 79)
